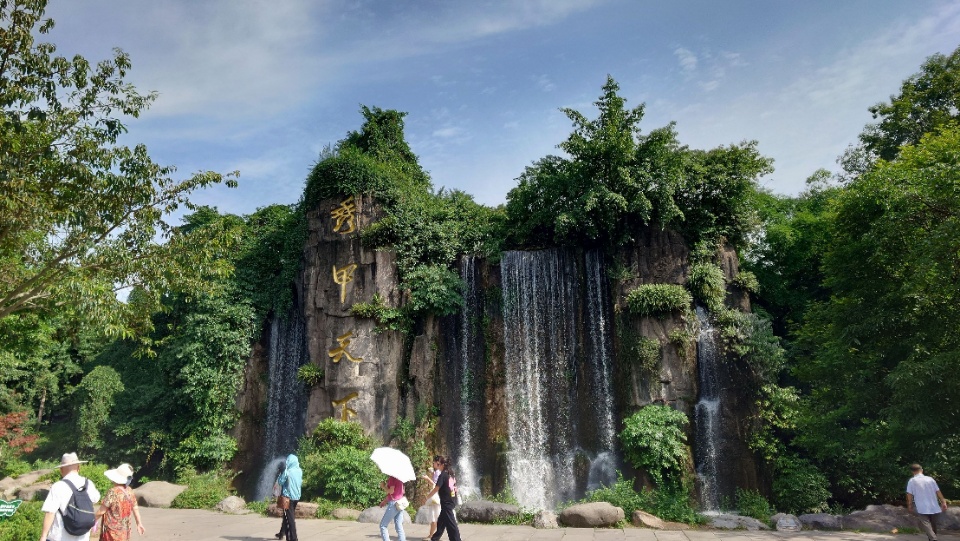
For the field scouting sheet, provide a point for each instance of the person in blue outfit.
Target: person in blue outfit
(394, 493)
(290, 481)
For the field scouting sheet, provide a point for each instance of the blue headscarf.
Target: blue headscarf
(291, 479)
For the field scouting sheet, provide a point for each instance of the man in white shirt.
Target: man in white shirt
(58, 498)
(925, 499)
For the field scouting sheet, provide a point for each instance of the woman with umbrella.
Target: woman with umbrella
(398, 469)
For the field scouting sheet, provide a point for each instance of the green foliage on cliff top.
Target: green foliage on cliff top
(658, 299)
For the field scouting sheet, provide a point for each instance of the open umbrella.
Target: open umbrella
(394, 463)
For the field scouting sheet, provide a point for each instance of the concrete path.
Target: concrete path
(196, 525)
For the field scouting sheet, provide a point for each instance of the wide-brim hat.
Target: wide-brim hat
(69, 459)
(120, 475)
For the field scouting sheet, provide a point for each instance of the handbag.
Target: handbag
(283, 502)
(403, 503)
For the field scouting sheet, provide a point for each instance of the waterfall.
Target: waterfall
(707, 414)
(286, 399)
(555, 327)
(471, 393)
(603, 467)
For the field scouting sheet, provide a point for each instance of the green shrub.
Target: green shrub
(390, 319)
(204, 490)
(752, 504)
(654, 440)
(97, 390)
(310, 374)
(13, 467)
(647, 353)
(707, 285)
(345, 475)
(658, 300)
(94, 472)
(331, 434)
(24, 525)
(621, 495)
(799, 487)
(325, 507)
(747, 281)
(260, 507)
(673, 504)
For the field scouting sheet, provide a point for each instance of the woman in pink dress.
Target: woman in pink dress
(119, 506)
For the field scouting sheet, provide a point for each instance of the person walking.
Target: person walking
(394, 494)
(119, 506)
(60, 495)
(447, 489)
(433, 502)
(290, 482)
(925, 500)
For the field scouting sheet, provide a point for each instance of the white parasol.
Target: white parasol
(394, 463)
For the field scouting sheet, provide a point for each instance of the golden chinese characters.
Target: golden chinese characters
(347, 412)
(342, 277)
(337, 353)
(345, 214)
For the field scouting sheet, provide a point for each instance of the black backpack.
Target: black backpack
(79, 517)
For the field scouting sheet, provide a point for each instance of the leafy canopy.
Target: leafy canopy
(80, 214)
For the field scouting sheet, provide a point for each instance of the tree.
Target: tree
(928, 100)
(80, 214)
(882, 350)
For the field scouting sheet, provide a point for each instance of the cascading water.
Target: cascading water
(707, 414)
(471, 399)
(555, 327)
(603, 467)
(286, 399)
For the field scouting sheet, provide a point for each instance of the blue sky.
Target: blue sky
(262, 86)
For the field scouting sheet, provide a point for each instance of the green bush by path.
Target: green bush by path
(345, 475)
(24, 525)
(654, 440)
(204, 490)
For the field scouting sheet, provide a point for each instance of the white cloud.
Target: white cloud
(447, 133)
(545, 84)
(688, 60)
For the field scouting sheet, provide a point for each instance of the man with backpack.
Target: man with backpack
(68, 509)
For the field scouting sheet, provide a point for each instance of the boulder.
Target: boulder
(736, 522)
(784, 522)
(545, 520)
(232, 505)
(34, 492)
(642, 519)
(304, 510)
(372, 515)
(486, 512)
(820, 521)
(345, 513)
(158, 493)
(10, 486)
(591, 515)
(950, 520)
(879, 518)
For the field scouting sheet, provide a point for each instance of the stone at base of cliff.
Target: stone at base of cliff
(642, 519)
(545, 520)
(232, 505)
(372, 515)
(820, 521)
(736, 522)
(345, 513)
(785, 522)
(158, 493)
(591, 515)
(950, 520)
(486, 512)
(304, 510)
(879, 518)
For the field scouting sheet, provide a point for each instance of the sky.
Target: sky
(261, 86)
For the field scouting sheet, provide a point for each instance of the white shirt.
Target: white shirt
(924, 490)
(57, 500)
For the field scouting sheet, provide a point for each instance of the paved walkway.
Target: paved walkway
(196, 525)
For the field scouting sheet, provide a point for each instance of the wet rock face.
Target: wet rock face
(361, 366)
